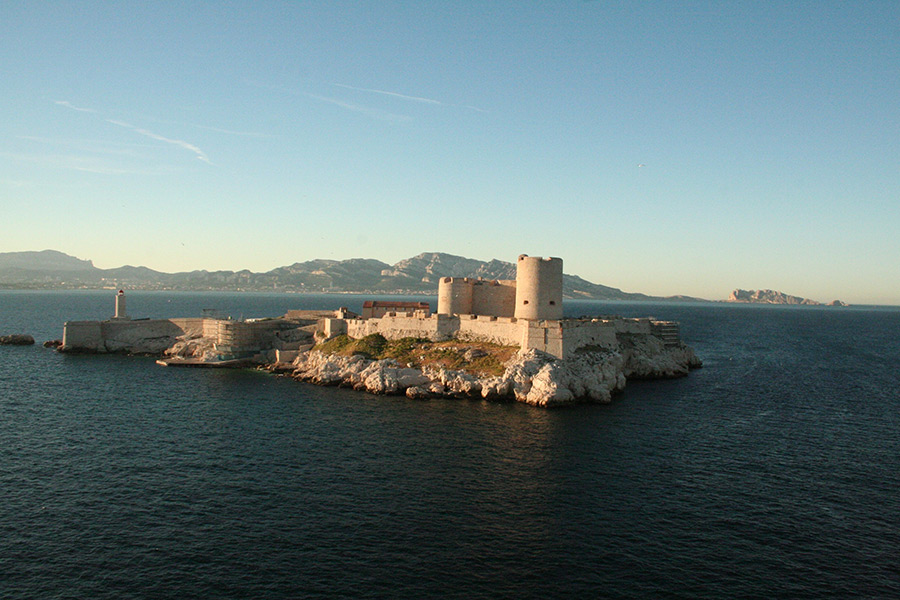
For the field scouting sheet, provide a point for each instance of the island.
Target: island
(774, 297)
(489, 338)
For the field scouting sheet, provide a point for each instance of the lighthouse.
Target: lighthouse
(120, 306)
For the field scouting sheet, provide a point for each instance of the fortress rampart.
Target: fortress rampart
(230, 338)
(561, 338)
(527, 313)
(123, 335)
(466, 295)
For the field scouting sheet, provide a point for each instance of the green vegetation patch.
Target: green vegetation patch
(477, 358)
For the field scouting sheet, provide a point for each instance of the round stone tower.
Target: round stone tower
(539, 288)
(455, 296)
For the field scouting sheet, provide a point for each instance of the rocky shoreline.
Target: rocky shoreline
(531, 376)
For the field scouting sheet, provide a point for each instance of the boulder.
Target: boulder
(16, 339)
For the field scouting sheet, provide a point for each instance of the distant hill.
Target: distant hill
(45, 260)
(418, 274)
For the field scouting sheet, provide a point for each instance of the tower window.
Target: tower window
(553, 303)
(524, 301)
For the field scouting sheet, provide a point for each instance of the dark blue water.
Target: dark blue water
(771, 472)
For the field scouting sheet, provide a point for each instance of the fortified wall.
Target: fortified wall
(526, 312)
(230, 338)
(149, 336)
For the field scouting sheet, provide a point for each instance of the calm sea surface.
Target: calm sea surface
(771, 472)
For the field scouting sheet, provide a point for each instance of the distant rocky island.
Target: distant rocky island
(774, 297)
(50, 269)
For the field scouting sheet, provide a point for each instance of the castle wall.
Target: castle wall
(505, 331)
(191, 327)
(334, 327)
(82, 335)
(493, 298)
(359, 328)
(633, 326)
(545, 336)
(210, 328)
(578, 334)
(239, 337)
(561, 338)
(539, 288)
(401, 326)
(148, 336)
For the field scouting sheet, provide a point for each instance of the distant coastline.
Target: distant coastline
(418, 275)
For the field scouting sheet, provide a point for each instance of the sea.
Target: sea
(771, 472)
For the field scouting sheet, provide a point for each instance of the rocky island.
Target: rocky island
(774, 297)
(490, 339)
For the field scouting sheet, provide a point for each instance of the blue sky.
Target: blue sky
(658, 147)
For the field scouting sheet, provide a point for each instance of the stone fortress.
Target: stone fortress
(526, 313)
(559, 360)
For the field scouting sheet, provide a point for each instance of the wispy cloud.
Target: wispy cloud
(405, 96)
(386, 93)
(253, 134)
(88, 164)
(90, 145)
(73, 107)
(200, 154)
(366, 110)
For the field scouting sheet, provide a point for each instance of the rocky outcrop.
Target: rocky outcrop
(531, 376)
(16, 339)
(197, 347)
(767, 297)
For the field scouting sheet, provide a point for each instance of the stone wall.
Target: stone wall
(467, 296)
(578, 334)
(493, 298)
(545, 336)
(240, 337)
(634, 326)
(505, 331)
(146, 336)
(561, 338)
(82, 335)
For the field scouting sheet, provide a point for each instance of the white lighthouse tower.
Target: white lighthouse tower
(120, 306)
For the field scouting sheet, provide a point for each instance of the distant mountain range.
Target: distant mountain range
(419, 274)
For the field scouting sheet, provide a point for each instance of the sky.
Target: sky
(657, 147)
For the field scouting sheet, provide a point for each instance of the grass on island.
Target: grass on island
(477, 358)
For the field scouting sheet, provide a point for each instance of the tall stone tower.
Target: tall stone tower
(539, 288)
